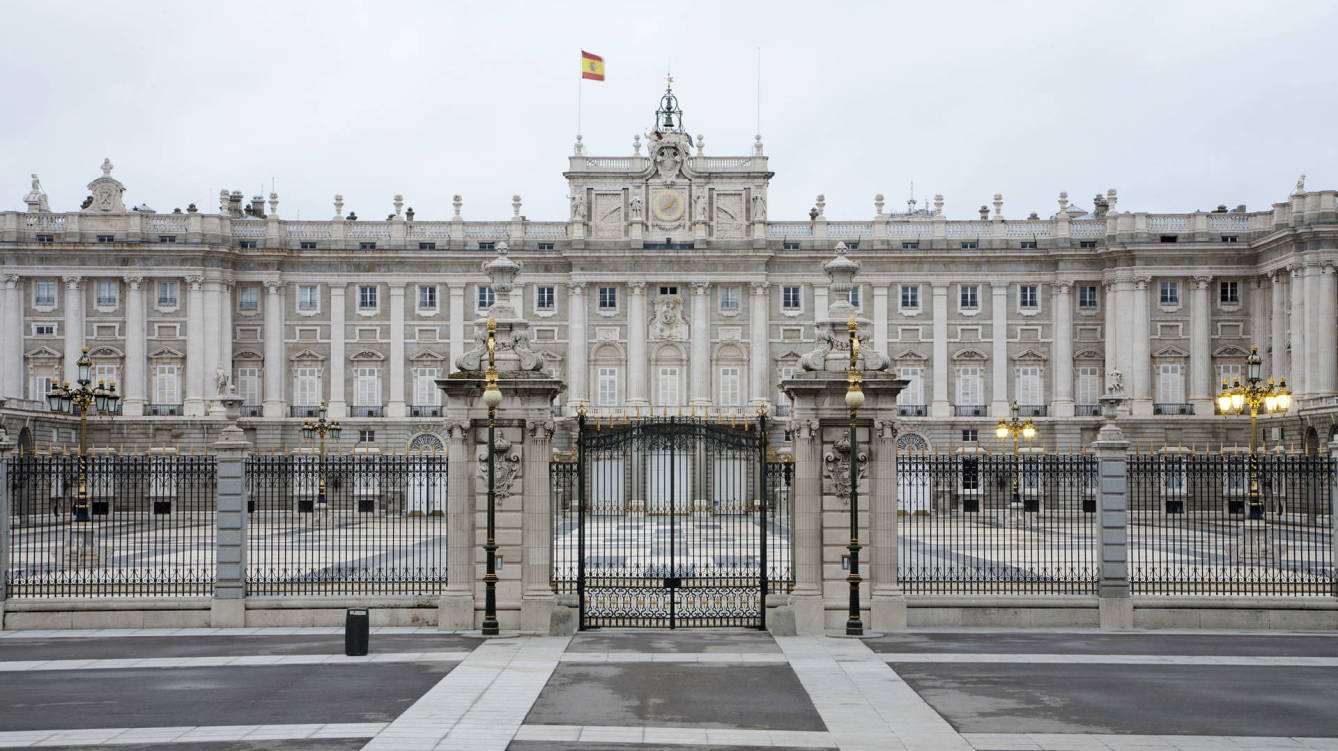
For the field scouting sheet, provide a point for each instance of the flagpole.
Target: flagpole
(580, 87)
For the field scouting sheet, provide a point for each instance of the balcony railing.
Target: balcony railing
(912, 410)
(783, 410)
(303, 411)
(252, 410)
(1032, 410)
(969, 410)
(357, 411)
(162, 410)
(1172, 409)
(425, 410)
(1087, 410)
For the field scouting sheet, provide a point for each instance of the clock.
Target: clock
(668, 205)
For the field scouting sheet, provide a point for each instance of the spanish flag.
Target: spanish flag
(592, 66)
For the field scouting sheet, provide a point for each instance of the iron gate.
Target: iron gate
(671, 522)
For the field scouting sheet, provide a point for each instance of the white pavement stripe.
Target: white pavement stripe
(1101, 742)
(1229, 660)
(185, 734)
(107, 633)
(20, 666)
(711, 657)
(481, 703)
(864, 703)
(675, 736)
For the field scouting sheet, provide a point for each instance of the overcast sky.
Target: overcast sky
(1177, 105)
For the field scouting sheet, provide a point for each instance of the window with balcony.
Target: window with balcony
(969, 388)
(911, 400)
(667, 382)
(1087, 389)
(106, 293)
(426, 395)
(367, 392)
(1170, 388)
(167, 294)
(782, 399)
(248, 298)
(248, 386)
(606, 387)
(308, 297)
(1029, 392)
(166, 386)
(44, 294)
(307, 387)
(730, 387)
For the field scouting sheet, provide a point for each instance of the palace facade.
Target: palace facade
(668, 287)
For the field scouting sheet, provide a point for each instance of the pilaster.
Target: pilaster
(759, 366)
(939, 407)
(74, 325)
(1141, 351)
(11, 369)
(456, 605)
(700, 355)
(887, 606)
(396, 407)
(133, 382)
(1062, 303)
(999, 398)
(338, 405)
(1201, 386)
(536, 605)
(576, 346)
(636, 344)
(195, 347)
(274, 363)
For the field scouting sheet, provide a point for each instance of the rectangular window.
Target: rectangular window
(970, 245)
(1088, 386)
(44, 294)
(1229, 373)
(667, 386)
(488, 245)
(668, 290)
(246, 244)
(248, 298)
(486, 298)
(44, 329)
(106, 238)
(1029, 386)
(307, 387)
(969, 392)
(1027, 244)
(1228, 293)
(1170, 383)
(1170, 293)
(167, 294)
(106, 293)
(165, 387)
(789, 246)
(910, 245)
(105, 374)
(1230, 238)
(367, 246)
(248, 386)
(425, 391)
(970, 297)
(730, 392)
(1169, 238)
(913, 394)
(366, 436)
(306, 245)
(1027, 299)
(853, 296)
(729, 298)
(1087, 297)
(366, 297)
(1087, 243)
(546, 246)
(790, 299)
(910, 297)
(366, 387)
(427, 246)
(970, 435)
(427, 297)
(40, 386)
(782, 399)
(45, 238)
(544, 299)
(308, 297)
(606, 384)
(608, 298)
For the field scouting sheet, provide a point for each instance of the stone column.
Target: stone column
(1201, 386)
(806, 599)
(338, 404)
(940, 407)
(1109, 331)
(396, 406)
(759, 367)
(133, 383)
(887, 605)
(74, 326)
(1063, 350)
(456, 324)
(999, 397)
(636, 344)
(455, 609)
(1259, 326)
(1278, 323)
(228, 607)
(196, 341)
(577, 367)
(536, 606)
(274, 365)
(1111, 520)
(700, 356)
(880, 318)
(11, 369)
(1319, 329)
(1141, 353)
(225, 305)
(1297, 382)
(1326, 332)
(209, 324)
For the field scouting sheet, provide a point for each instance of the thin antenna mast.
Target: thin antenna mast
(759, 91)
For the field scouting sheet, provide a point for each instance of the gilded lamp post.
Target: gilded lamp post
(854, 400)
(67, 400)
(492, 396)
(1015, 427)
(1237, 398)
(320, 427)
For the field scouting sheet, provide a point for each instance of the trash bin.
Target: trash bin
(355, 632)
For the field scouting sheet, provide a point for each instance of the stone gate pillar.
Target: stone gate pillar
(821, 423)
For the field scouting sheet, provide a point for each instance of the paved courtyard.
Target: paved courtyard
(689, 690)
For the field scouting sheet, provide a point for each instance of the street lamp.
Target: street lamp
(492, 396)
(854, 400)
(1015, 427)
(320, 427)
(1236, 398)
(64, 399)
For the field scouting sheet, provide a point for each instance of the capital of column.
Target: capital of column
(574, 288)
(133, 281)
(637, 287)
(700, 288)
(11, 281)
(1296, 270)
(1326, 267)
(1201, 281)
(71, 282)
(1063, 287)
(1141, 282)
(999, 289)
(457, 430)
(194, 280)
(939, 288)
(540, 430)
(397, 288)
(272, 285)
(759, 288)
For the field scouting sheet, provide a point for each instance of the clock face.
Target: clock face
(668, 205)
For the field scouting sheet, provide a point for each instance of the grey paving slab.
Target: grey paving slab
(569, 746)
(1133, 699)
(1132, 643)
(682, 640)
(47, 648)
(672, 694)
(159, 697)
(315, 744)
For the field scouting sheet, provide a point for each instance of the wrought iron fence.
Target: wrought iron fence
(983, 524)
(1192, 530)
(150, 531)
(350, 524)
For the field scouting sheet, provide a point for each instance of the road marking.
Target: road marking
(675, 736)
(21, 666)
(1066, 659)
(1101, 742)
(185, 734)
(708, 657)
(864, 703)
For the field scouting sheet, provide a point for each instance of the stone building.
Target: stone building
(667, 287)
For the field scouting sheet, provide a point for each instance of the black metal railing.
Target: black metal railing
(1191, 530)
(1032, 410)
(969, 410)
(1172, 408)
(912, 410)
(295, 410)
(428, 410)
(981, 524)
(340, 525)
(162, 410)
(1087, 410)
(366, 411)
(252, 410)
(150, 532)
